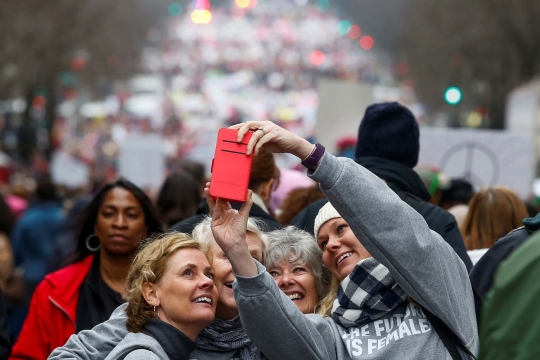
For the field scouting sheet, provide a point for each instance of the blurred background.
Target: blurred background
(96, 89)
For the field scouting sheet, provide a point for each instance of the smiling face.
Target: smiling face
(341, 249)
(120, 224)
(186, 294)
(298, 282)
(224, 276)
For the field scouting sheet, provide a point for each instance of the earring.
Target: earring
(92, 249)
(156, 315)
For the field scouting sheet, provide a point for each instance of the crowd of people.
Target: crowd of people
(359, 259)
(230, 70)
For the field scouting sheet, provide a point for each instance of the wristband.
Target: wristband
(313, 159)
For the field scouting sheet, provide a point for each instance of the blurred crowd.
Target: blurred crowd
(65, 256)
(436, 255)
(263, 65)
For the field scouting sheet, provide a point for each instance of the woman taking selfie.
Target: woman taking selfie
(84, 294)
(391, 270)
(171, 298)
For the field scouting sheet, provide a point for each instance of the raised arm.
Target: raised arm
(269, 317)
(423, 264)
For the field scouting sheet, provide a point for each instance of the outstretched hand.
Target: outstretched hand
(274, 139)
(229, 228)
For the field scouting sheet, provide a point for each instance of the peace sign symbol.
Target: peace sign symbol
(478, 162)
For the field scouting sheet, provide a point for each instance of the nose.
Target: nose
(333, 244)
(286, 280)
(120, 221)
(206, 282)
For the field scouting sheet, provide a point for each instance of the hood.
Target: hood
(532, 224)
(396, 175)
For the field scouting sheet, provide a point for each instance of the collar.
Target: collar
(396, 175)
(65, 284)
(532, 224)
(175, 343)
(257, 200)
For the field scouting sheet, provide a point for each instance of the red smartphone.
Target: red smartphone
(231, 167)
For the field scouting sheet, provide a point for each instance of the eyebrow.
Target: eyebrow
(131, 207)
(193, 266)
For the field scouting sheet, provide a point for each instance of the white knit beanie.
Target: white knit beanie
(326, 213)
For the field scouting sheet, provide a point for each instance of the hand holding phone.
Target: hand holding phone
(231, 167)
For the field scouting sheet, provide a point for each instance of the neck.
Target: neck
(114, 270)
(224, 313)
(191, 331)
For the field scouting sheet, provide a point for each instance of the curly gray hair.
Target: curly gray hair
(292, 244)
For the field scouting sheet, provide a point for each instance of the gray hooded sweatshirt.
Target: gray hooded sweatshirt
(99, 342)
(138, 346)
(421, 262)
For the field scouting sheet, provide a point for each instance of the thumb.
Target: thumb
(246, 207)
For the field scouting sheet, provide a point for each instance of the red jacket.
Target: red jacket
(52, 315)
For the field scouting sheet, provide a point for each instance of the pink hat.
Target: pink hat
(288, 180)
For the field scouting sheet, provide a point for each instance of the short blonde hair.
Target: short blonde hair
(203, 232)
(148, 267)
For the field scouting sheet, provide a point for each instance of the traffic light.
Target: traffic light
(452, 95)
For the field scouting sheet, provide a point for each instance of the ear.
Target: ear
(265, 190)
(151, 294)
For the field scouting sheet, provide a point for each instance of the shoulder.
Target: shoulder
(436, 217)
(507, 244)
(70, 272)
(142, 354)
(138, 346)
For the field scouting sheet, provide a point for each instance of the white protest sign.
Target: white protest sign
(341, 107)
(484, 157)
(141, 160)
(68, 171)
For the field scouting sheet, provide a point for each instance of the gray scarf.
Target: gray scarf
(367, 293)
(226, 335)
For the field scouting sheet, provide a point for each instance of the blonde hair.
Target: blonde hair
(493, 213)
(324, 307)
(148, 267)
(203, 232)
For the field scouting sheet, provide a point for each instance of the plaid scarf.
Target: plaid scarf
(367, 293)
(226, 335)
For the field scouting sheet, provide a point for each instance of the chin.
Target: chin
(346, 270)
(228, 301)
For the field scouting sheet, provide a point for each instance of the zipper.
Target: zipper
(63, 310)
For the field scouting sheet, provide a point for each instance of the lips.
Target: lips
(294, 295)
(342, 257)
(204, 300)
(119, 237)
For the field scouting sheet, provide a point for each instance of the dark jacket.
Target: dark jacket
(410, 188)
(187, 225)
(33, 239)
(483, 272)
(5, 341)
(510, 319)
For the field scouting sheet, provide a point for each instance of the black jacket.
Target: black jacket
(410, 188)
(5, 339)
(187, 225)
(483, 272)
